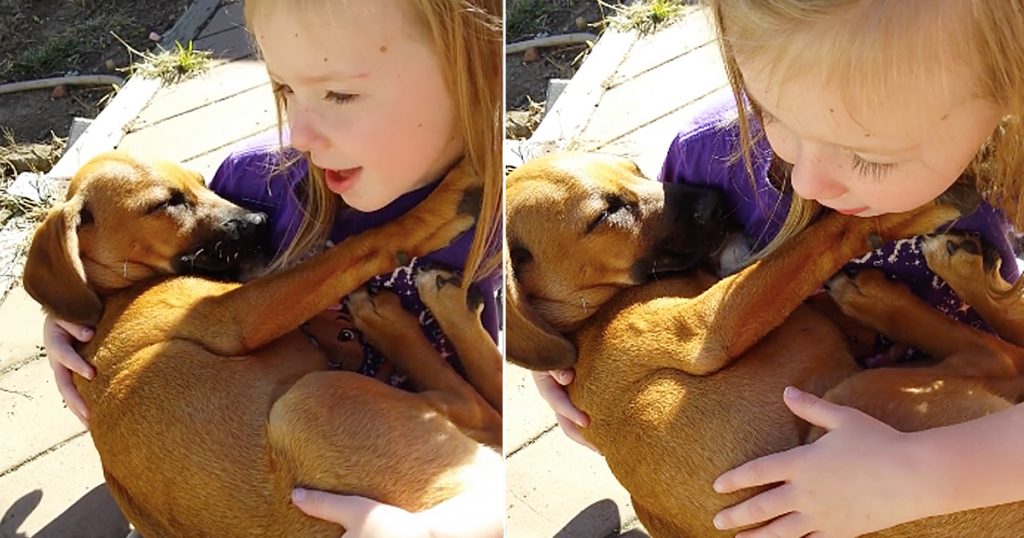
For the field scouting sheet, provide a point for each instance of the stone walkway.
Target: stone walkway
(629, 98)
(50, 478)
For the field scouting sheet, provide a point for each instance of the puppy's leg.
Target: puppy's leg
(348, 433)
(738, 311)
(913, 399)
(973, 273)
(890, 308)
(396, 332)
(457, 311)
(252, 315)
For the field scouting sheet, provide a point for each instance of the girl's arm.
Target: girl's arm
(863, 476)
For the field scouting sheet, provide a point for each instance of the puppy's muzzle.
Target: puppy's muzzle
(236, 241)
(694, 227)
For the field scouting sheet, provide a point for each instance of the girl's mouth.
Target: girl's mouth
(340, 181)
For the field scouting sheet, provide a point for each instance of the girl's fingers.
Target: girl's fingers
(758, 509)
(815, 410)
(72, 398)
(793, 525)
(572, 431)
(59, 347)
(82, 333)
(760, 472)
(556, 396)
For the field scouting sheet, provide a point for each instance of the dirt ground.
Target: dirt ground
(527, 78)
(48, 38)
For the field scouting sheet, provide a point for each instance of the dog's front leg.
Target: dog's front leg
(267, 308)
(738, 311)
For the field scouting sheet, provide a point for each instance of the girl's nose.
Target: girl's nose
(813, 178)
(304, 133)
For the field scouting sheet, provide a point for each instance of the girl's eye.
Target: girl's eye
(340, 98)
(871, 169)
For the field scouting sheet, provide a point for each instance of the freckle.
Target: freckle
(420, 125)
(831, 110)
(867, 135)
(296, 34)
(325, 59)
(383, 48)
(944, 118)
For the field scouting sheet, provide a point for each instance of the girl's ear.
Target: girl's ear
(54, 276)
(530, 341)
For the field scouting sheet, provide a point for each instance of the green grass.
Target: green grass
(646, 16)
(170, 66)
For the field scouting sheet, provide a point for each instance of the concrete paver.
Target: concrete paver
(525, 415)
(559, 482)
(22, 322)
(32, 415)
(197, 132)
(223, 81)
(227, 17)
(60, 495)
(232, 44)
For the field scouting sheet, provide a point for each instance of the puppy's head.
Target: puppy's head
(581, 228)
(127, 220)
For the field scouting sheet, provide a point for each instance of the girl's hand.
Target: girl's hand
(360, 516)
(58, 339)
(858, 478)
(551, 385)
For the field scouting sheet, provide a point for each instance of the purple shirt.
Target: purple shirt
(250, 178)
(702, 154)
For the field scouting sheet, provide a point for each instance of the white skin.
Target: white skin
(364, 91)
(863, 476)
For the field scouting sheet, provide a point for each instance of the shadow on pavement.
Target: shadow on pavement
(95, 515)
(594, 519)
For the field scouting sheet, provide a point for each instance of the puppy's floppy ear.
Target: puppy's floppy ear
(54, 276)
(530, 341)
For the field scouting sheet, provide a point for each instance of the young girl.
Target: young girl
(382, 99)
(866, 108)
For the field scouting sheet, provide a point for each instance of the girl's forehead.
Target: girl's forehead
(347, 40)
(851, 114)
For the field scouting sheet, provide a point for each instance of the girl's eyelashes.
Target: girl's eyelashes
(870, 169)
(340, 98)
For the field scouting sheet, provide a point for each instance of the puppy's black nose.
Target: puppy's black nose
(243, 226)
(707, 209)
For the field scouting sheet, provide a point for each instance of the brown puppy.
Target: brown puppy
(208, 406)
(683, 376)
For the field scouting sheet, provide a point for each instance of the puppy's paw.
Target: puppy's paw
(440, 291)
(959, 258)
(864, 296)
(376, 311)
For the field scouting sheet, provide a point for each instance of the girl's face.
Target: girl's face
(879, 158)
(365, 96)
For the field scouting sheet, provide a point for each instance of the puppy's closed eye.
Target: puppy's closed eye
(614, 205)
(176, 198)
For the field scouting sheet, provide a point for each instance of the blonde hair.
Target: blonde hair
(872, 47)
(467, 37)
